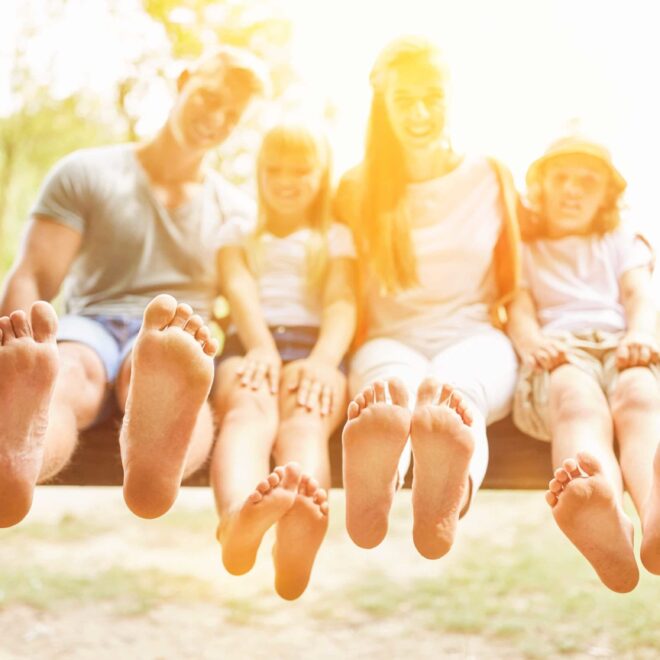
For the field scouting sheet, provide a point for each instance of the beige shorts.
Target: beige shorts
(593, 352)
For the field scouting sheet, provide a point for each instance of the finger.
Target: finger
(303, 391)
(314, 395)
(644, 355)
(274, 378)
(633, 360)
(326, 400)
(247, 373)
(259, 375)
(622, 356)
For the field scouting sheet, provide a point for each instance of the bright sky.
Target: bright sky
(521, 69)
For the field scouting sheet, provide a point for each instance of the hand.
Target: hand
(313, 379)
(259, 366)
(545, 353)
(636, 349)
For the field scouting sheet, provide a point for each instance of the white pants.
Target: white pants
(482, 367)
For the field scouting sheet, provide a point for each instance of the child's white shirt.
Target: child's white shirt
(284, 292)
(575, 280)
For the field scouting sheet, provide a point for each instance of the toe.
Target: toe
(276, 476)
(571, 467)
(369, 396)
(159, 312)
(428, 392)
(211, 347)
(203, 335)
(312, 487)
(255, 497)
(6, 330)
(379, 391)
(562, 475)
(353, 410)
(555, 486)
(181, 316)
(398, 392)
(324, 508)
(551, 498)
(302, 486)
(19, 322)
(589, 464)
(193, 324)
(320, 496)
(361, 401)
(44, 321)
(291, 476)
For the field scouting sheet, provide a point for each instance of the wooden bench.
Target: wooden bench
(516, 461)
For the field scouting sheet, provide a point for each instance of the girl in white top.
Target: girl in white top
(288, 277)
(586, 335)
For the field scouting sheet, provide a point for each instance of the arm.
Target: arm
(638, 346)
(532, 346)
(47, 252)
(315, 376)
(262, 359)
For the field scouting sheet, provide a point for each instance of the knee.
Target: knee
(634, 396)
(574, 406)
(248, 407)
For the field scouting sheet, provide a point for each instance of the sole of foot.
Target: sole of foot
(373, 439)
(442, 445)
(585, 508)
(29, 364)
(171, 375)
(299, 535)
(241, 533)
(650, 550)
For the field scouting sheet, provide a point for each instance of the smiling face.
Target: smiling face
(574, 190)
(289, 184)
(210, 103)
(414, 95)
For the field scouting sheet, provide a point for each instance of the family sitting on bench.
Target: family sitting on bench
(422, 288)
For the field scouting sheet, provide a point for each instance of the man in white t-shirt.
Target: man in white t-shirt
(121, 226)
(584, 327)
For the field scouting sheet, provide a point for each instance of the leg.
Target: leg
(375, 447)
(171, 375)
(28, 368)
(303, 437)
(635, 405)
(442, 444)
(248, 423)
(483, 369)
(67, 385)
(588, 508)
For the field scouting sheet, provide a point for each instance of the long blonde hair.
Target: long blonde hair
(309, 142)
(384, 233)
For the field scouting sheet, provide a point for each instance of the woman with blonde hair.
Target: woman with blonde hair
(585, 324)
(288, 277)
(438, 242)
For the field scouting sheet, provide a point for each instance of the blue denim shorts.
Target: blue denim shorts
(294, 342)
(111, 338)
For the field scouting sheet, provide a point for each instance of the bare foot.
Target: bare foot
(28, 367)
(442, 446)
(650, 551)
(172, 371)
(240, 533)
(373, 439)
(587, 511)
(300, 533)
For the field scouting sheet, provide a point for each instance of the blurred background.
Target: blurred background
(77, 73)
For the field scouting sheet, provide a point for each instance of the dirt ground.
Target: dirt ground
(76, 588)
